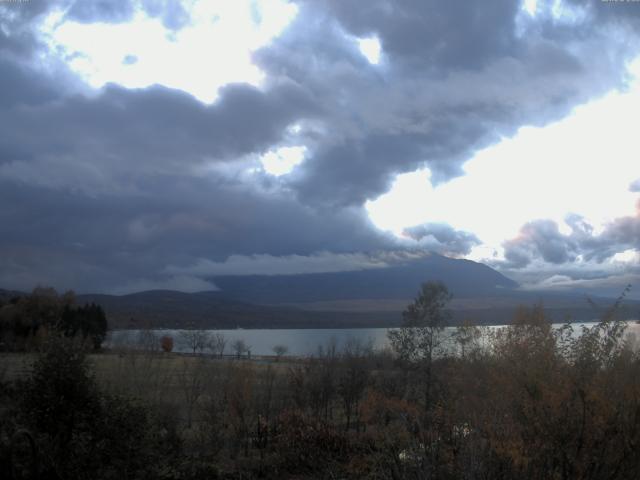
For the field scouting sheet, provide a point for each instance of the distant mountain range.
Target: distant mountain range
(364, 298)
(464, 278)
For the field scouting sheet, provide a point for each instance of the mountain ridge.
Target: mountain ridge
(462, 277)
(363, 298)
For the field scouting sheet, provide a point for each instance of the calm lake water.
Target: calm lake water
(300, 342)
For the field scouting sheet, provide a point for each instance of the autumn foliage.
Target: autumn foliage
(166, 343)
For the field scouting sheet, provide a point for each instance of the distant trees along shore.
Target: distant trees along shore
(26, 321)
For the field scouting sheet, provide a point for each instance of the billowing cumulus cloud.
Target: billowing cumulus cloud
(118, 189)
(455, 77)
(442, 238)
(455, 34)
(542, 240)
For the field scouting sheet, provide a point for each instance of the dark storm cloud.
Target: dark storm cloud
(431, 33)
(367, 160)
(120, 188)
(624, 233)
(442, 238)
(21, 85)
(542, 240)
(455, 77)
(156, 128)
(356, 170)
(108, 240)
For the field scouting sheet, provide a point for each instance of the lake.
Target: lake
(300, 342)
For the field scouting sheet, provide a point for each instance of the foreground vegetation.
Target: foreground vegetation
(525, 401)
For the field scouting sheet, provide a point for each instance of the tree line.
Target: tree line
(26, 320)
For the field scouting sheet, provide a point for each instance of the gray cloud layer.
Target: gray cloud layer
(128, 187)
(456, 77)
(155, 128)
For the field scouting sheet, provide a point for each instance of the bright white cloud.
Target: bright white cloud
(571, 14)
(583, 164)
(530, 6)
(630, 256)
(213, 50)
(283, 160)
(370, 48)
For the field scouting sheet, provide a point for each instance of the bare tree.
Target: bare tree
(217, 344)
(280, 350)
(147, 340)
(196, 340)
(239, 347)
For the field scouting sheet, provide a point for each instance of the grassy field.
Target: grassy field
(179, 382)
(15, 365)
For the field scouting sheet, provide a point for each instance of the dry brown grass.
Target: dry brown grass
(178, 382)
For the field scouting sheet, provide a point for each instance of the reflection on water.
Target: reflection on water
(299, 342)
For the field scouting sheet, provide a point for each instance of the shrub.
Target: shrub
(82, 433)
(166, 343)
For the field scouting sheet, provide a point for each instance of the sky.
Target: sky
(157, 143)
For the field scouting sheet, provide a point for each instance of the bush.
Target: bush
(81, 433)
(166, 343)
